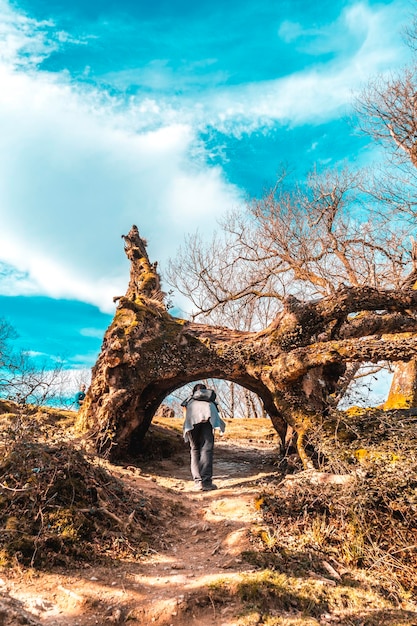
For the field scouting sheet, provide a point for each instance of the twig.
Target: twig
(14, 489)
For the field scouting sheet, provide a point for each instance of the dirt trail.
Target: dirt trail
(169, 586)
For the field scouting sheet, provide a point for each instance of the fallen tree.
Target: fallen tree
(293, 365)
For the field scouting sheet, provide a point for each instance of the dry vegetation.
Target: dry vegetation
(336, 546)
(355, 523)
(61, 506)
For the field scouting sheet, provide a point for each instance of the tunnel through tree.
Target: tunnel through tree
(294, 365)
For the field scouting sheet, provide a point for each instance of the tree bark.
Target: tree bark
(293, 365)
(403, 390)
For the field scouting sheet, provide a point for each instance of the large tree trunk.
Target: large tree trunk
(403, 390)
(293, 365)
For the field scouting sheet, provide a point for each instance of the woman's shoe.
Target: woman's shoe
(209, 487)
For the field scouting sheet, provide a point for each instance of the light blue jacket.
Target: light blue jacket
(200, 409)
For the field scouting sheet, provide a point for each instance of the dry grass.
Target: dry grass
(367, 525)
(279, 599)
(324, 553)
(331, 553)
(59, 506)
(238, 430)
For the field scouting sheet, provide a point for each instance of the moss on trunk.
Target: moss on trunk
(293, 365)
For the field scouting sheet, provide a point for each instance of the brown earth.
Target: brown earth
(201, 545)
(203, 565)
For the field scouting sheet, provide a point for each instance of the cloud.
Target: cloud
(290, 31)
(81, 164)
(357, 24)
(339, 59)
(35, 354)
(76, 175)
(14, 282)
(92, 332)
(364, 42)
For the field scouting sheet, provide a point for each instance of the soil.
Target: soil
(170, 586)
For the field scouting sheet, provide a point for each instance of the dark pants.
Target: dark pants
(201, 440)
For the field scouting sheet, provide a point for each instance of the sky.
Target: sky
(165, 115)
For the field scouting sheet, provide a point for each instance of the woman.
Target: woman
(201, 418)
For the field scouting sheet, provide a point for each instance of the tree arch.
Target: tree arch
(294, 365)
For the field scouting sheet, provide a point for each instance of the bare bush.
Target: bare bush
(29, 380)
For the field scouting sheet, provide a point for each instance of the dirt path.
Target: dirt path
(169, 586)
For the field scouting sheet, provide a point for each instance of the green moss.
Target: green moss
(69, 525)
(123, 318)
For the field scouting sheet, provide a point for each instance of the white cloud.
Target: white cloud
(97, 333)
(323, 91)
(76, 175)
(24, 41)
(15, 283)
(35, 354)
(362, 42)
(358, 23)
(290, 31)
(79, 167)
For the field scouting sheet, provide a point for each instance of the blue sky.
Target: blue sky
(166, 115)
